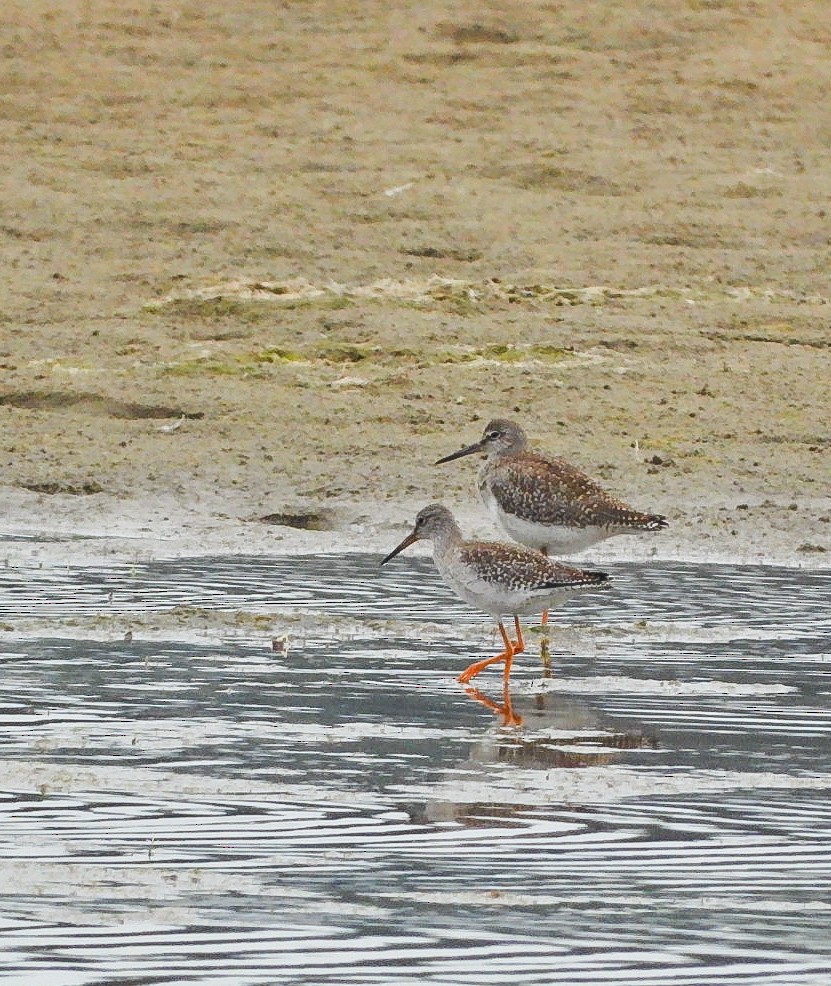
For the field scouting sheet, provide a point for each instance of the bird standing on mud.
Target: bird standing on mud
(544, 502)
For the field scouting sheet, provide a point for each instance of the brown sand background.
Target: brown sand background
(337, 237)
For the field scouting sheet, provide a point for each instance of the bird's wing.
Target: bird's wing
(521, 569)
(554, 492)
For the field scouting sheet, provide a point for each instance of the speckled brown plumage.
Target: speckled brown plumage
(549, 490)
(521, 570)
(500, 579)
(545, 502)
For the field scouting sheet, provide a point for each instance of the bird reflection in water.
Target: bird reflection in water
(546, 733)
(504, 709)
(582, 738)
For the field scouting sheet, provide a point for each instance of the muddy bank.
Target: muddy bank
(277, 262)
(45, 529)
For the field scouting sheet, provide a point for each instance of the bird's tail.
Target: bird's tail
(633, 522)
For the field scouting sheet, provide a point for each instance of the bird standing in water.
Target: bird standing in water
(500, 579)
(544, 502)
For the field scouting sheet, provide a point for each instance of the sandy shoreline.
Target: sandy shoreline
(95, 530)
(279, 260)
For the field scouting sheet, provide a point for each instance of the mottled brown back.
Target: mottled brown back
(550, 491)
(522, 569)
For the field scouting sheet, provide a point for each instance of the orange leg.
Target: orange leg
(509, 660)
(507, 656)
(518, 645)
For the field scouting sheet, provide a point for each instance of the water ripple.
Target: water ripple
(206, 809)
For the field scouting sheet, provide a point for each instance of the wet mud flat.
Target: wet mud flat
(261, 770)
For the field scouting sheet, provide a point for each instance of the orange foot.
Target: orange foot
(507, 656)
(472, 670)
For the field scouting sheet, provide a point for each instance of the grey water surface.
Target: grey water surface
(191, 805)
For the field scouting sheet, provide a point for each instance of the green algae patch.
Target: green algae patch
(246, 311)
(216, 309)
(323, 302)
(276, 354)
(203, 367)
(549, 354)
(506, 352)
(340, 352)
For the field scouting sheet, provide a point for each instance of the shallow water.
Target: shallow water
(191, 805)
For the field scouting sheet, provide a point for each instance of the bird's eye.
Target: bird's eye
(492, 434)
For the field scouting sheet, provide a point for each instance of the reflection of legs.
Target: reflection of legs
(545, 654)
(510, 717)
(507, 656)
(503, 708)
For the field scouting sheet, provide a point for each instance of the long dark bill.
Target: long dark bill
(467, 450)
(408, 540)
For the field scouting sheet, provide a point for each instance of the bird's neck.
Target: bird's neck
(445, 540)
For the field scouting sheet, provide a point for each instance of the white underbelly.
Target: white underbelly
(498, 600)
(556, 539)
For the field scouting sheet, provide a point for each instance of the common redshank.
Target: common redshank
(544, 502)
(500, 579)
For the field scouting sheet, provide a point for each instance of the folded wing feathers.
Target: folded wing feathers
(587, 579)
(522, 569)
(552, 491)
